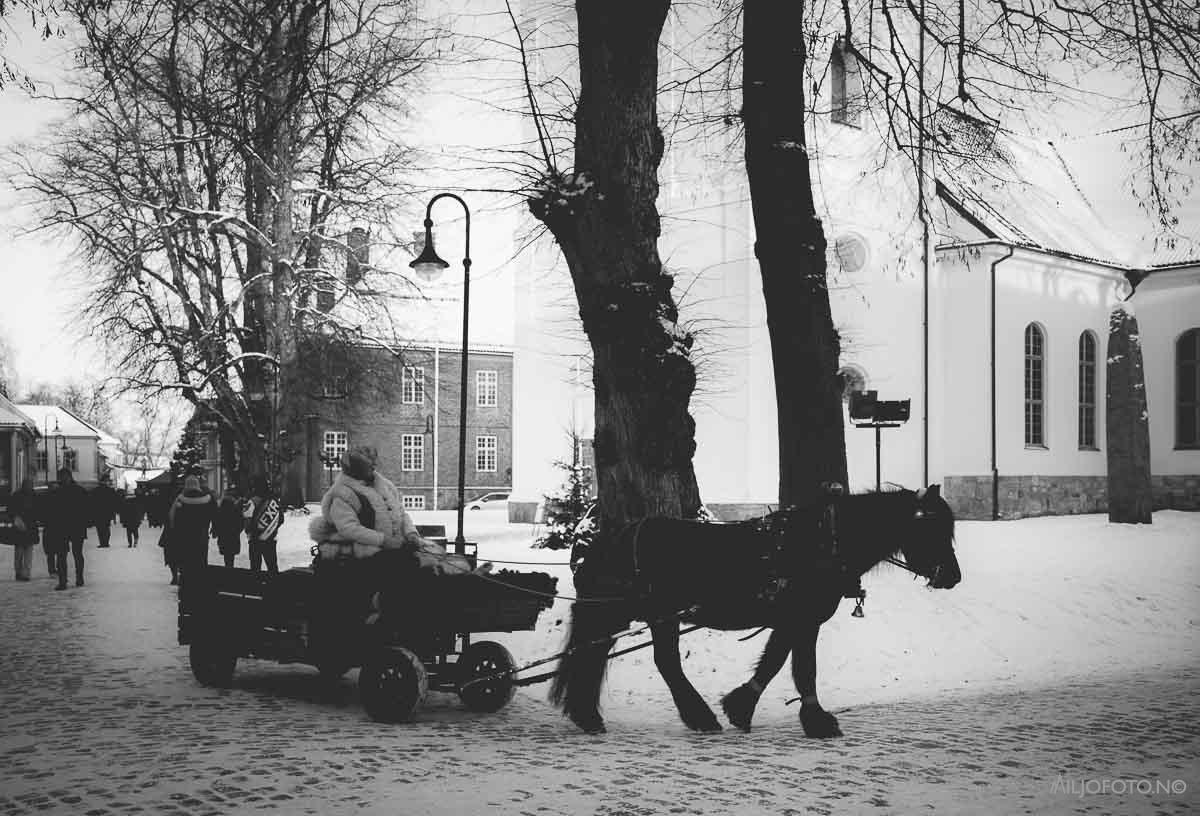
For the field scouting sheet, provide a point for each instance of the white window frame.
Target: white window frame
(42, 460)
(412, 502)
(486, 454)
(487, 388)
(70, 459)
(412, 385)
(335, 443)
(412, 452)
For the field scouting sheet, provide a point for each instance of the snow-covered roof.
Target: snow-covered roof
(11, 416)
(1017, 190)
(53, 419)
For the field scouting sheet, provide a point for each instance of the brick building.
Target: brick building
(413, 422)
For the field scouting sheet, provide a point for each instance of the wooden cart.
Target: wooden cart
(226, 613)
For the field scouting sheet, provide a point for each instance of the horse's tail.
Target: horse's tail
(581, 669)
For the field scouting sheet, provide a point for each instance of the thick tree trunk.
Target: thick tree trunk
(1130, 495)
(790, 247)
(606, 221)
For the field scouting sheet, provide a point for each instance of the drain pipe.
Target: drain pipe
(992, 343)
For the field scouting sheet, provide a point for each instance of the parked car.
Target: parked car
(490, 501)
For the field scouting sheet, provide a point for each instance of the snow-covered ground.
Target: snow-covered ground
(1059, 677)
(1041, 600)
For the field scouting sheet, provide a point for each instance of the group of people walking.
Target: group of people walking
(64, 514)
(196, 516)
(61, 516)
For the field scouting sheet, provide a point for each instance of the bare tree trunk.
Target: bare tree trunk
(790, 247)
(1130, 495)
(605, 219)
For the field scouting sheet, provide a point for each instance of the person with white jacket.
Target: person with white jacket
(362, 516)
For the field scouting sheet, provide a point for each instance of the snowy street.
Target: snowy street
(1061, 677)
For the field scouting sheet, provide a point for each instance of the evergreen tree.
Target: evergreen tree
(567, 507)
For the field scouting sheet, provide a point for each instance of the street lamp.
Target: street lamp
(428, 265)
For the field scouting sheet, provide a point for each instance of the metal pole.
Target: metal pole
(878, 449)
(459, 541)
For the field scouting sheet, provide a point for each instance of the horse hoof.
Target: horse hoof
(589, 724)
(819, 724)
(739, 706)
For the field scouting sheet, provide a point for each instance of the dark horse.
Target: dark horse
(787, 571)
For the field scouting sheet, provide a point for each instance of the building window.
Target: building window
(486, 388)
(485, 454)
(413, 502)
(334, 444)
(334, 388)
(1087, 391)
(412, 452)
(41, 460)
(1187, 390)
(1035, 386)
(412, 385)
(846, 93)
(70, 459)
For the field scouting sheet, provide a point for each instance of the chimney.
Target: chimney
(358, 258)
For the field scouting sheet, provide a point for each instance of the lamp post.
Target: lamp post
(428, 265)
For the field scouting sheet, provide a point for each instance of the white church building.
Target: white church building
(997, 335)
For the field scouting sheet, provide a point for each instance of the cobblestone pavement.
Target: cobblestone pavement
(102, 716)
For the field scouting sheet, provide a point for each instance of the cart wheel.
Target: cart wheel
(484, 659)
(392, 683)
(212, 662)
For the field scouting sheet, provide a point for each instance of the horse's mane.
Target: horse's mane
(866, 522)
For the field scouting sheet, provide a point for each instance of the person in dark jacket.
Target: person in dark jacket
(263, 516)
(228, 526)
(67, 511)
(105, 503)
(190, 521)
(24, 518)
(132, 513)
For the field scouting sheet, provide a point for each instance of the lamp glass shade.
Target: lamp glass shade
(428, 265)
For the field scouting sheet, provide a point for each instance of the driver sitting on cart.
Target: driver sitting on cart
(368, 544)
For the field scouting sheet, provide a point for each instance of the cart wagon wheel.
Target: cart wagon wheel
(392, 683)
(212, 662)
(491, 660)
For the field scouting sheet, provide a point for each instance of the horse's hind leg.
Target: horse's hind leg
(692, 709)
(740, 703)
(580, 675)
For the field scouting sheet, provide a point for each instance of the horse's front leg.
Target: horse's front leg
(817, 722)
(695, 712)
(740, 703)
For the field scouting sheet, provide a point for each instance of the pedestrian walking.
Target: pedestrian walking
(228, 525)
(66, 520)
(132, 512)
(263, 516)
(105, 504)
(191, 521)
(21, 508)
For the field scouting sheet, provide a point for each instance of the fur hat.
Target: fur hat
(358, 462)
(191, 483)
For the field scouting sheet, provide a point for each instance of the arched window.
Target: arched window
(1187, 390)
(846, 92)
(1087, 391)
(1035, 386)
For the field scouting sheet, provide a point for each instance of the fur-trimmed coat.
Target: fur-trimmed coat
(350, 502)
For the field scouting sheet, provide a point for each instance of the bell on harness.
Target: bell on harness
(859, 598)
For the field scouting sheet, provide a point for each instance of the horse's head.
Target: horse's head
(928, 546)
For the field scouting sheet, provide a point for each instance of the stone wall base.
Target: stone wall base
(1025, 496)
(1176, 492)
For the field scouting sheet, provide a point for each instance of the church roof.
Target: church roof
(1017, 190)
